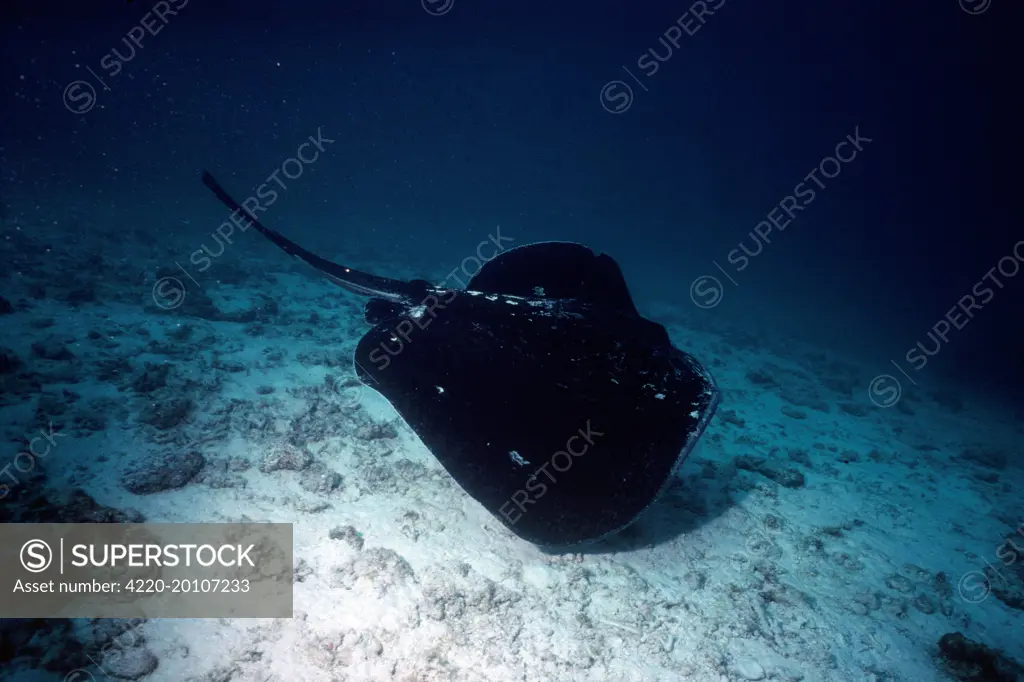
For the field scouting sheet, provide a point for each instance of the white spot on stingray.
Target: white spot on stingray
(695, 414)
(440, 389)
(492, 297)
(659, 396)
(417, 312)
(512, 302)
(517, 458)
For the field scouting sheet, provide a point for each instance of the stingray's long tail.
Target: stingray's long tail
(355, 281)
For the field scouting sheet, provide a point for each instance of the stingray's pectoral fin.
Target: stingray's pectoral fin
(355, 281)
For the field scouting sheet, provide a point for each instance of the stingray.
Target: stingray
(539, 387)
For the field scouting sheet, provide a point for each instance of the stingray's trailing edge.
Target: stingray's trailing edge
(539, 388)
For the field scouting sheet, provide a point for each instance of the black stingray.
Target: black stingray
(539, 388)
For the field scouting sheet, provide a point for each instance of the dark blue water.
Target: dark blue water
(493, 113)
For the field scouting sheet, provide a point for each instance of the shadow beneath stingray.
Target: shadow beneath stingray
(690, 502)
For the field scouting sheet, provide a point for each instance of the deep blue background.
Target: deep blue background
(446, 126)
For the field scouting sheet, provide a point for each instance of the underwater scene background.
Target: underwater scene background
(812, 197)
